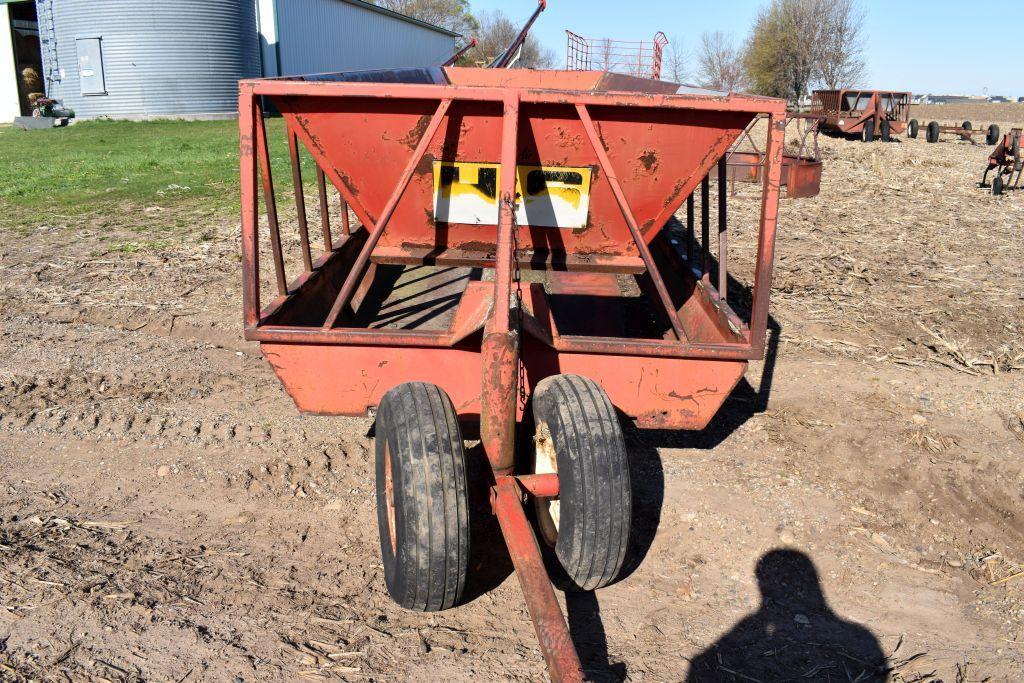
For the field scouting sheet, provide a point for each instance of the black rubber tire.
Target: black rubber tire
(574, 418)
(997, 185)
(967, 125)
(426, 562)
(868, 133)
(933, 132)
(992, 137)
(886, 131)
(912, 128)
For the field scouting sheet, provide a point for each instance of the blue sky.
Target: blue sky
(924, 47)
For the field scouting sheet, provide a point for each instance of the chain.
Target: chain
(517, 279)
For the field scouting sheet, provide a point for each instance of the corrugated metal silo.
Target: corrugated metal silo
(148, 58)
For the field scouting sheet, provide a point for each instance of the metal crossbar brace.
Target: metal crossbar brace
(359, 266)
(634, 228)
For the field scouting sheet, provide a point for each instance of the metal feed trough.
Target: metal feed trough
(964, 131)
(500, 213)
(1007, 163)
(864, 113)
(801, 168)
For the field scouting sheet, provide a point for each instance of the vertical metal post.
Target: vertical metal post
(325, 210)
(300, 200)
(250, 209)
(766, 235)
(263, 151)
(723, 234)
(705, 228)
(690, 246)
(500, 347)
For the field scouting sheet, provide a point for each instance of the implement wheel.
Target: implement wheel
(993, 135)
(912, 128)
(997, 185)
(578, 436)
(886, 131)
(933, 132)
(422, 498)
(868, 133)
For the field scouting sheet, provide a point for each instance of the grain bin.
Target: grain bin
(148, 58)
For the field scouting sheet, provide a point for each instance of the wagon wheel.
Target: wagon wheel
(993, 135)
(933, 132)
(912, 128)
(422, 497)
(578, 435)
(868, 134)
(886, 131)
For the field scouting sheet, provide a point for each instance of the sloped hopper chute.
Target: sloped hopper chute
(659, 153)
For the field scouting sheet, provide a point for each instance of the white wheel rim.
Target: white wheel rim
(548, 509)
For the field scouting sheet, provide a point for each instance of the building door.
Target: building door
(28, 58)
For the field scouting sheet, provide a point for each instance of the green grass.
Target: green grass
(117, 169)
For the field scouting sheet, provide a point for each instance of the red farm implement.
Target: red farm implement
(1007, 163)
(633, 58)
(965, 131)
(801, 165)
(507, 222)
(863, 113)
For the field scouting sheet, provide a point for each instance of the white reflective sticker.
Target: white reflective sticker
(549, 196)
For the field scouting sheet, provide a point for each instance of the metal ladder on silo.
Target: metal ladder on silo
(48, 41)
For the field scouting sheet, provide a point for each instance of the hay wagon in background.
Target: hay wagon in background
(516, 267)
(863, 113)
(964, 131)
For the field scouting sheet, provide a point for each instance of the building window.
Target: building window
(90, 66)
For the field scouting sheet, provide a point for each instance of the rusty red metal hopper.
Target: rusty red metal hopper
(524, 241)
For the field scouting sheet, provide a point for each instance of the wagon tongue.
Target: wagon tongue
(659, 154)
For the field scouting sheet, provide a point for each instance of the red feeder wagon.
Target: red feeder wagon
(863, 113)
(499, 213)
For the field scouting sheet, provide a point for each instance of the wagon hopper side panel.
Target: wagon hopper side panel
(660, 158)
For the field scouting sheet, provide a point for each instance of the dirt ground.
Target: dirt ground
(166, 515)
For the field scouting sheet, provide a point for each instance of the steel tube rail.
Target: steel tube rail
(250, 212)
(506, 207)
(505, 58)
(359, 267)
(723, 233)
(766, 236)
(455, 57)
(263, 152)
(415, 91)
(634, 228)
(325, 210)
(300, 200)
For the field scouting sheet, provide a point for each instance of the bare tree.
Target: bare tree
(720, 63)
(841, 63)
(673, 61)
(496, 33)
(453, 15)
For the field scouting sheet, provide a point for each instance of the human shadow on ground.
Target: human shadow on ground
(794, 634)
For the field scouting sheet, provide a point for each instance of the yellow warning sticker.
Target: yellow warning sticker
(547, 196)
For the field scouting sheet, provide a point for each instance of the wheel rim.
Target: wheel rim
(548, 509)
(389, 499)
